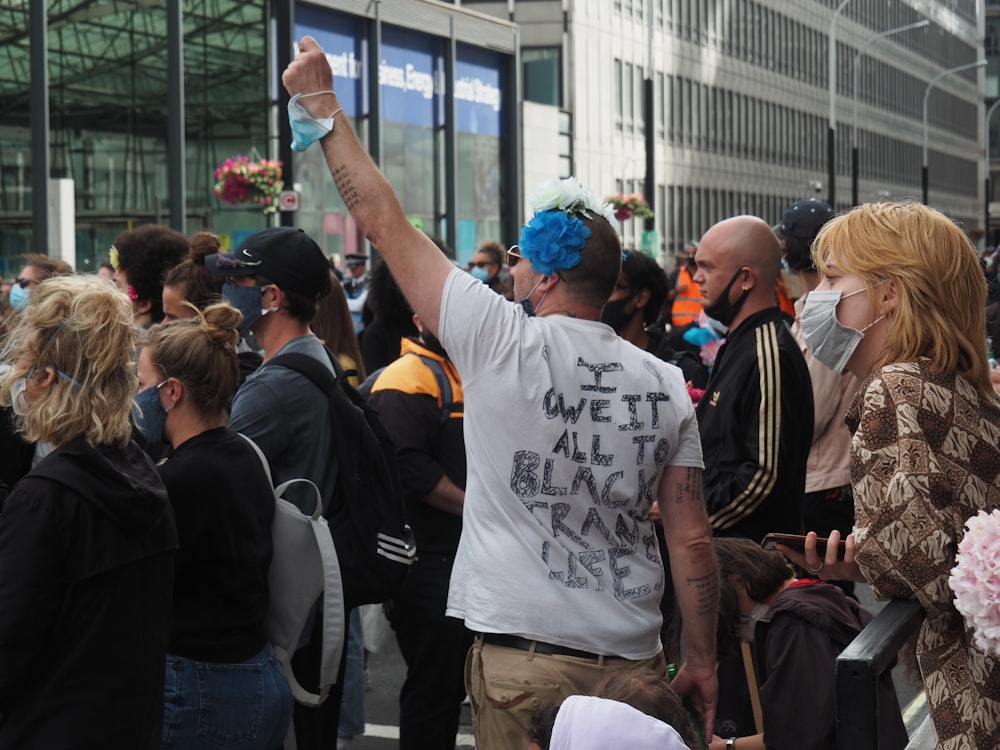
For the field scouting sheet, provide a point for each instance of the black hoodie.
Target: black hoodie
(86, 576)
(796, 645)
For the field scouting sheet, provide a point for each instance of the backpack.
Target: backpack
(448, 404)
(367, 516)
(304, 566)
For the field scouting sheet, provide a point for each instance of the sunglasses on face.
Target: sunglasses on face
(23, 282)
(481, 264)
(513, 256)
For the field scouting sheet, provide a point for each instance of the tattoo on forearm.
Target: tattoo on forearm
(707, 588)
(350, 195)
(689, 488)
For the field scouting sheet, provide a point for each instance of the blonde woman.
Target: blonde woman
(901, 305)
(224, 685)
(86, 538)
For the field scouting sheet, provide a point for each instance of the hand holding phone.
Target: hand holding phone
(797, 542)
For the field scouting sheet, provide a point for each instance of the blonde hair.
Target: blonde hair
(81, 327)
(940, 288)
(201, 353)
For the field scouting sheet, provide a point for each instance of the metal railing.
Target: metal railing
(861, 664)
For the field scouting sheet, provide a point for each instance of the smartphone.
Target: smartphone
(797, 542)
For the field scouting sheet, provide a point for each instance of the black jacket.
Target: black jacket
(756, 422)
(796, 645)
(86, 571)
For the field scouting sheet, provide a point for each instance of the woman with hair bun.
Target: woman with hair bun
(190, 281)
(223, 682)
(86, 538)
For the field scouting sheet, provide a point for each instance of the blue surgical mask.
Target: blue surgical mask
(246, 299)
(19, 297)
(306, 129)
(150, 416)
(480, 272)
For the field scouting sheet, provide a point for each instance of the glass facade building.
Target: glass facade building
(430, 87)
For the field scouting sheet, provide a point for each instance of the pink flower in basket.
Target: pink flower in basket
(242, 179)
(628, 206)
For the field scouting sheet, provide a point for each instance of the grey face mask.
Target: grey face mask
(830, 341)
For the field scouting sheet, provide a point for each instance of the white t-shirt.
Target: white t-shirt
(567, 430)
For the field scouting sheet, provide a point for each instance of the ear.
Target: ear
(46, 377)
(641, 299)
(277, 298)
(142, 306)
(889, 298)
(548, 282)
(174, 391)
(749, 279)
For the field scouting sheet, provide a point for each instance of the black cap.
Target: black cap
(285, 256)
(804, 219)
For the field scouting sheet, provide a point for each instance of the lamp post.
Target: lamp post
(989, 176)
(927, 95)
(854, 118)
(831, 133)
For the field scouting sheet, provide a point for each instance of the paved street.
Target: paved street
(386, 671)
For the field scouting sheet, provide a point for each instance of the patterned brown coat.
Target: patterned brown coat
(925, 456)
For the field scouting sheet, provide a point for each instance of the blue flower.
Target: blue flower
(552, 241)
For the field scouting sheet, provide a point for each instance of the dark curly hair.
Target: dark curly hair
(145, 255)
(642, 272)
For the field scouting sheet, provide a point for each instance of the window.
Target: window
(542, 75)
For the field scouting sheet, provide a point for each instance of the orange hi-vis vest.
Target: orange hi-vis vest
(687, 304)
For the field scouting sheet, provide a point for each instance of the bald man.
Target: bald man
(756, 417)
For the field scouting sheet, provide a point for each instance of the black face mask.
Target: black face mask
(722, 309)
(614, 313)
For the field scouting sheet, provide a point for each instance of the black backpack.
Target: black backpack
(367, 515)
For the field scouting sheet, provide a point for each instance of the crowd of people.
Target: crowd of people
(588, 481)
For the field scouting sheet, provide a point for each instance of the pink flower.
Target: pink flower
(975, 579)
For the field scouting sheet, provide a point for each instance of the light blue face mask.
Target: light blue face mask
(480, 272)
(19, 297)
(150, 416)
(307, 129)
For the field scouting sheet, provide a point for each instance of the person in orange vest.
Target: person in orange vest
(687, 302)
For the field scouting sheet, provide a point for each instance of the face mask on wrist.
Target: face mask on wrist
(307, 129)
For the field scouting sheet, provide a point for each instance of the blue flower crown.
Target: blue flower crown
(555, 235)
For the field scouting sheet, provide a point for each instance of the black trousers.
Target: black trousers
(434, 648)
(316, 728)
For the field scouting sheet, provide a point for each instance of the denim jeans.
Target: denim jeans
(208, 705)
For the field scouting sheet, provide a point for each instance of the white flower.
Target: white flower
(570, 196)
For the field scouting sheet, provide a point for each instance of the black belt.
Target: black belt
(539, 647)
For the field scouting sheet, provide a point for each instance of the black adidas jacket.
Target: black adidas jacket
(756, 421)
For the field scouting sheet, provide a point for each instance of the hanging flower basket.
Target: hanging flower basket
(629, 206)
(248, 179)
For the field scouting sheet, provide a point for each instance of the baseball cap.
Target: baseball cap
(804, 219)
(285, 256)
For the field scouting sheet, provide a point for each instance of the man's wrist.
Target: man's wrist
(731, 743)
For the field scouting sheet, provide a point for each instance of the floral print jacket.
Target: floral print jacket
(925, 456)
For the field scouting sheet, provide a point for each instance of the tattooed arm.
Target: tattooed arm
(696, 582)
(418, 266)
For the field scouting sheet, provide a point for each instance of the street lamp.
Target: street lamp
(927, 95)
(854, 120)
(989, 175)
(831, 133)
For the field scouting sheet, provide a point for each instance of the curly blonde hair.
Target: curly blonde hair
(81, 328)
(940, 287)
